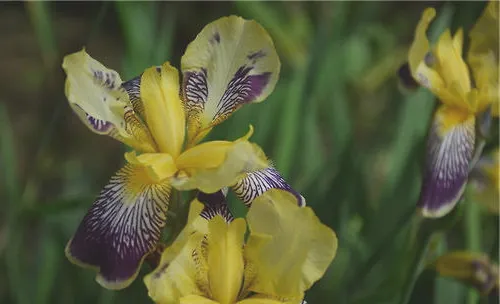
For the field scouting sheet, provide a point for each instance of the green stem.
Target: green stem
(472, 238)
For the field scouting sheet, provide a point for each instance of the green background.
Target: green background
(338, 126)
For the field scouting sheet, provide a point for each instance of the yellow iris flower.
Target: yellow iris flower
(442, 69)
(287, 250)
(231, 62)
(471, 268)
(485, 181)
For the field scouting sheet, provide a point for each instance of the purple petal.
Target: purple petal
(121, 228)
(215, 204)
(258, 182)
(447, 166)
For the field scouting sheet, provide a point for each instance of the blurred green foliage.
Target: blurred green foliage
(337, 127)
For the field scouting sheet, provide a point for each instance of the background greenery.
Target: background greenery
(337, 126)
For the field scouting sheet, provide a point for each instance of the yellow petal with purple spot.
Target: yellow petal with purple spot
(231, 62)
(97, 96)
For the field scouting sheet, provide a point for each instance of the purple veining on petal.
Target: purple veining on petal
(242, 88)
(195, 89)
(447, 168)
(99, 125)
(256, 55)
(215, 38)
(215, 204)
(406, 78)
(258, 182)
(120, 228)
(483, 276)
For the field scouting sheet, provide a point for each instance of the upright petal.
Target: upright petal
(231, 62)
(257, 183)
(450, 148)
(225, 258)
(163, 109)
(96, 95)
(280, 227)
(121, 228)
(483, 56)
(212, 166)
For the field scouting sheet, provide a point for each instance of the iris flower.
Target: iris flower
(465, 91)
(232, 62)
(474, 269)
(287, 250)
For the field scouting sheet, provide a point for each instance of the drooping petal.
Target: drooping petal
(121, 228)
(96, 95)
(450, 149)
(225, 258)
(212, 166)
(471, 268)
(279, 227)
(163, 109)
(258, 182)
(215, 204)
(231, 62)
(133, 89)
(483, 57)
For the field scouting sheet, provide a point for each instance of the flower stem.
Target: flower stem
(472, 238)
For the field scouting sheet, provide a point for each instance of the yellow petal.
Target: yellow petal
(163, 108)
(159, 166)
(256, 300)
(483, 57)
(420, 46)
(485, 181)
(451, 65)
(225, 258)
(183, 270)
(196, 300)
(277, 226)
(210, 167)
(96, 95)
(231, 62)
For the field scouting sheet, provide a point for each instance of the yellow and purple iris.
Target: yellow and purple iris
(210, 262)
(464, 94)
(471, 268)
(232, 62)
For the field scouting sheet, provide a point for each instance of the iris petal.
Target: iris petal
(231, 62)
(278, 227)
(121, 228)
(483, 56)
(96, 95)
(258, 182)
(450, 149)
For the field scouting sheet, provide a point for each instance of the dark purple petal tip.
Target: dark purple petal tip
(447, 168)
(120, 229)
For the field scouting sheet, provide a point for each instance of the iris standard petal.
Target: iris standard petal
(280, 227)
(225, 258)
(163, 110)
(483, 57)
(259, 300)
(97, 97)
(450, 148)
(256, 183)
(451, 65)
(212, 166)
(121, 228)
(231, 62)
